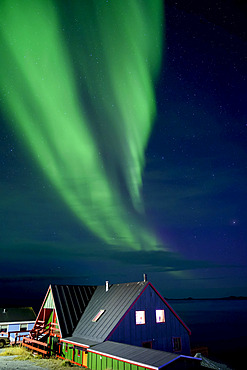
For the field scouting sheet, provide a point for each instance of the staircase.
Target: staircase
(40, 330)
(39, 340)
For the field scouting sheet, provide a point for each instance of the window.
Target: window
(79, 352)
(66, 347)
(140, 317)
(147, 344)
(3, 328)
(23, 327)
(160, 316)
(99, 314)
(176, 342)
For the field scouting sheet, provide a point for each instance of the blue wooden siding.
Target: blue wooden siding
(160, 334)
(30, 326)
(14, 327)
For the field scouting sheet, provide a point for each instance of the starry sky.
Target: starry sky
(177, 172)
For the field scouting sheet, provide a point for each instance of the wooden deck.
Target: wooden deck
(37, 346)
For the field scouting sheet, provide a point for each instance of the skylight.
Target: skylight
(99, 314)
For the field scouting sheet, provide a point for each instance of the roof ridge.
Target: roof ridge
(70, 285)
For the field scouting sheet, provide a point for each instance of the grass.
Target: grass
(24, 354)
(16, 351)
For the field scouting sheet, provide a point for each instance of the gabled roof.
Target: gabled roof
(110, 307)
(70, 302)
(115, 303)
(17, 314)
(80, 341)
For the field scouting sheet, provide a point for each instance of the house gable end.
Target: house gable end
(49, 301)
(171, 309)
(140, 326)
(47, 321)
(63, 306)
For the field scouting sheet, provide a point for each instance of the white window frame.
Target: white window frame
(140, 318)
(160, 316)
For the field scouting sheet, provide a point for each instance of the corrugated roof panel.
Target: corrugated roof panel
(70, 302)
(115, 302)
(80, 341)
(140, 355)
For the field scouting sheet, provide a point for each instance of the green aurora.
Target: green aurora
(78, 88)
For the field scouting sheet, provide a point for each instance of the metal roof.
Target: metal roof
(80, 341)
(116, 301)
(137, 355)
(70, 302)
(16, 314)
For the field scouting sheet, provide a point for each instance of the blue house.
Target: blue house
(93, 325)
(16, 322)
(136, 314)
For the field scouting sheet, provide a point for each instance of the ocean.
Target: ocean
(220, 325)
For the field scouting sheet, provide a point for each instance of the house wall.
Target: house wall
(49, 303)
(159, 334)
(100, 362)
(72, 353)
(14, 329)
(30, 326)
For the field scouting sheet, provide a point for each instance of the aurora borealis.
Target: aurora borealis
(123, 145)
(56, 78)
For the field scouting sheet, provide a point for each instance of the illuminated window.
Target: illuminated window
(160, 316)
(140, 317)
(99, 314)
(176, 342)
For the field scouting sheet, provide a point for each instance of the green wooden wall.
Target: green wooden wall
(99, 362)
(72, 353)
(49, 301)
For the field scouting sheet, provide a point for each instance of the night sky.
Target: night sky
(167, 193)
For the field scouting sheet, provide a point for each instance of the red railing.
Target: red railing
(18, 337)
(38, 333)
(35, 345)
(41, 329)
(54, 329)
